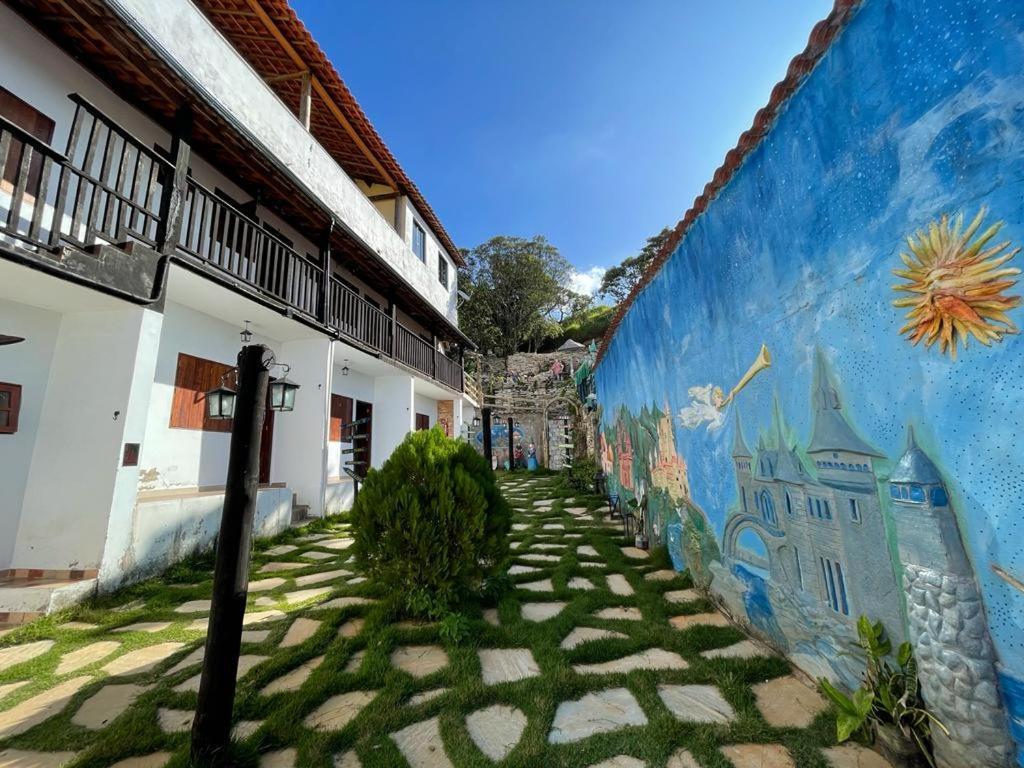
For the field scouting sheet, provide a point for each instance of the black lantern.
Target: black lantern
(282, 394)
(476, 422)
(246, 334)
(220, 403)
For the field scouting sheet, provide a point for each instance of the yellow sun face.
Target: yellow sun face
(957, 285)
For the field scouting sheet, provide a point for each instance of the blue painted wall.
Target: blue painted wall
(916, 111)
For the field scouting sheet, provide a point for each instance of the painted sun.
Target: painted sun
(957, 284)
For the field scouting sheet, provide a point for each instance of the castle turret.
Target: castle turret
(946, 618)
(741, 457)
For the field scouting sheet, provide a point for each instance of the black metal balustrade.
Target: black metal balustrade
(109, 188)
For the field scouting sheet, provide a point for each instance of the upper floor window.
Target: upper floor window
(442, 269)
(768, 509)
(854, 511)
(419, 242)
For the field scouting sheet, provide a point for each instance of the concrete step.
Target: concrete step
(22, 601)
(300, 513)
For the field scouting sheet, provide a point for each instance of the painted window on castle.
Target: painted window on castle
(744, 496)
(789, 505)
(939, 497)
(854, 511)
(828, 510)
(799, 570)
(835, 585)
(768, 509)
(907, 492)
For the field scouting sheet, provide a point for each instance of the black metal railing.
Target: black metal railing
(108, 187)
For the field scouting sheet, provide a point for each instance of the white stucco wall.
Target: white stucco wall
(174, 458)
(427, 405)
(392, 414)
(27, 364)
(188, 41)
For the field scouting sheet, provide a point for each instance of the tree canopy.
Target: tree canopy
(619, 280)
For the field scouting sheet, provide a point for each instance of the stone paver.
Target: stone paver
(292, 681)
(174, 720)
(578, 582)
(281, 758)
(261, 617)
(787, 702)
(246, 662)
(682, 758)
(618, 585)
(274, 567)
(255, 635)
(633, 553)
(491, 617)
(106, 704)
(36, 709)
(553, 527)
(345, 602)
(586, 550)
(715, 619)
(424, 696)
(744, 649)
(696, 703)
(77, 625)
(8, 688)
(318, 578)
(620, 761)
(541, 611)
(496, 730)
(194, 606)
(600, 712)
(351, 628)
(421, 745)
(302, 595)
(150, 627)
(17, 758)
(581, 635)
(662, 575)
(336, 544)
(299, 632)
(758, 756)
(86, 655)
(653, 658)
(544, 545)
(19, 654)
(347, 760)
(419, 660)
(506, 665)
(141, 659)
(619, 613)
(680, 596)
(264, 585)
(280, 549)
(544, 585)
(515, 570)
(338, 711)
(189, 661)
(533, 558)
(854, 756)
(355, 661)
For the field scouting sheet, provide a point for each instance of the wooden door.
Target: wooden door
(266, 446)
(364, 448)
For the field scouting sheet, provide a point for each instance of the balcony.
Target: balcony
(108, 189)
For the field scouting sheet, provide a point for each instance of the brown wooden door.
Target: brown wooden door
(266, 446)
(364, 447)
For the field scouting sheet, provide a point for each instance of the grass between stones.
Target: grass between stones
(280, 717)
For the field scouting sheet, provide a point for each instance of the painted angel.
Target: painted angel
(706, 407)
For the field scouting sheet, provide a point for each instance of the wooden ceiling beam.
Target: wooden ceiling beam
(319, 89)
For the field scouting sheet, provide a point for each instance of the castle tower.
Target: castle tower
(947, 619)
(741, 457)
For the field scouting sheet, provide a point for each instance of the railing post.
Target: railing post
(324, 310)
(393, 311)
(172, 203)
(433, 346)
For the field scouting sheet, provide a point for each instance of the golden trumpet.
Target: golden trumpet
(764, 360)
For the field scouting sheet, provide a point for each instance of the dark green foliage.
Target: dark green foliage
(431, 524)
(580, 476)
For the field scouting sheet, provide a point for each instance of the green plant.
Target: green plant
(430, 524)
(454, 628)
(889, 696)
(580, 476)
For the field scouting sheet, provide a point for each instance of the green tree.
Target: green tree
(619, 280)
(514, 285)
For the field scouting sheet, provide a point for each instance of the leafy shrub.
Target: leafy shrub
(580, 476)
(431, 524)
(454, 628)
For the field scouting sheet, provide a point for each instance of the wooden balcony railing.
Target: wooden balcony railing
(108, 187)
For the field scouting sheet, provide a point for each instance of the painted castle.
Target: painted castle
(668, 468)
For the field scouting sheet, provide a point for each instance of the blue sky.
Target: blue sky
(593, 123)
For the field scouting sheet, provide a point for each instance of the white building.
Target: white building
(172, 170)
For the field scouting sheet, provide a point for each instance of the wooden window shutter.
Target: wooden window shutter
(10, 406)
(422, 421)
(194, 378)
(341, 413)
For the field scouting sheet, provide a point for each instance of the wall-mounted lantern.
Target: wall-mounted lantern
(282, 393)
(246, 334)
(220, 403)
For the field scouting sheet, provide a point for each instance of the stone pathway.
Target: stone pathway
(596, 637)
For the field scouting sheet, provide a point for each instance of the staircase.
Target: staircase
(300, 513)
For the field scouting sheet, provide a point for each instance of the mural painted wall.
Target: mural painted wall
(822, 391)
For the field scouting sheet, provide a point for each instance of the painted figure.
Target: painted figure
(708, 403)
(531, 458)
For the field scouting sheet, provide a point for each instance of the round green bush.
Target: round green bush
(431, 524)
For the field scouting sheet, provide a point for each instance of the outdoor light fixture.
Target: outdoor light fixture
(344, 368)
(5, 340)
(246, 334)
(220, 403)
(476, 422)
(282, 392)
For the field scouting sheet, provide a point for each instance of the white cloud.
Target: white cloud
(587, 282)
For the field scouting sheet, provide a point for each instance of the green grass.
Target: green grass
(136, 732)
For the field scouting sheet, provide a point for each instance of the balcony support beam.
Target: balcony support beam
(172, 204)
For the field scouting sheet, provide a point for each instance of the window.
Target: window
(10, 405)
(789, 505)
(341, 413)
(419, 242)
(939, 496)
(768, 509)
(29, 119)
(799, 570)
(442, 269)
(835, 585)
(422, 422)
(854, 511)
(744, 492)
(193, 379)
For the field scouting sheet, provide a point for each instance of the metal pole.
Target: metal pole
(486, 414)
(211, 729)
